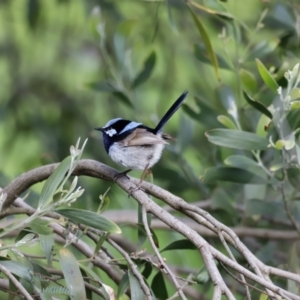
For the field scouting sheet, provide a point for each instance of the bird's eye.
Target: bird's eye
(110, 131)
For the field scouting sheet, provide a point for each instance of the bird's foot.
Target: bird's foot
(135, 189)
(119, 175)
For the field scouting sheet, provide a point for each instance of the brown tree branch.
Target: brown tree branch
(17, 284)
(209, 253)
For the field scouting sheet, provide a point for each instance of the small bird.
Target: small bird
(135, 145)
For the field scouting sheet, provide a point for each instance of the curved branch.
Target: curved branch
(98, 170)
(17, 284)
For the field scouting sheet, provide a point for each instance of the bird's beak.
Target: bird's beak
(99, 129)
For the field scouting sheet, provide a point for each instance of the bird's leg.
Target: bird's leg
(138, 187)
(119, 175)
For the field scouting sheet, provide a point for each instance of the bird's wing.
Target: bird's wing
(142, 137)
(167, 137)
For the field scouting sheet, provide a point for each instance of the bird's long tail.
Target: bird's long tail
(170, 112)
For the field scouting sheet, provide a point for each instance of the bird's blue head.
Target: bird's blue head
(115, 130)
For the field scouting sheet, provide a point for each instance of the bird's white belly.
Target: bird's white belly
(136, 157)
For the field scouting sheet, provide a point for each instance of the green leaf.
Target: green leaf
(89, 218)
(258, 106)
(228, 101)
(125, 27)
(72, 274)
(170, 16)
(244, 162)
(147, 270)
(222, 201)
(293, 175)
(295, 94)
(295, 105)
(206, 41)
(23, 233)
(227, 122)
(86, 269)
(47, 243)
(254, 207)
(231, 174)
(17, 269)
(201, 55)
(102, 86)
(266, 76)
(120, 40)
(248, 80)
(206, 115)
(297, 150)
(202, 276)
(135, 287)
(123, 97)
(283, 16)
(40, 226)
(100, 242)
(262, 49)
(146, 71)
(106, 86)
(237, 139)
(53, 182)
(158, 286)
(123, 286)
(221, 12)
(180, 245)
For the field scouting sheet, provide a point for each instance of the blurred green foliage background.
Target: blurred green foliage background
(68, 66)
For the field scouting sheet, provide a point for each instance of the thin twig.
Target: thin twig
(159, 257)
(133, 268)
(233, 258)
(17, 284)
(95, 169)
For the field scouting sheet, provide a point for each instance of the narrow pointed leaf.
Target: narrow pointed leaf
(102, 86)
(135, 287)
(243, 162)
(180, 245)
(123, 286)
(53, 182)
(293, 175)
(262, 49)
(146, 71)
(222, 14)
(237, 139)
(248, 80)
(232, 174)
(47, 243)
(89, 218)
(266, 76)
(228, 101)
(227, 122)
(40, 226)
(72, 274)
(258, 106)
(100, 242)
(17, 269)
(265, 208)
(207, 43)
(295, 94)
(147, 270)
(170, 16)
(123, 97)
(158, 286)
(201, 55)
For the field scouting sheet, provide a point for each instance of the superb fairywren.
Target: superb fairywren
(135, 145)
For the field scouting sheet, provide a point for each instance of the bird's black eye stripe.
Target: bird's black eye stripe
(119, 125)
